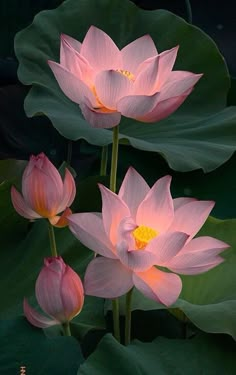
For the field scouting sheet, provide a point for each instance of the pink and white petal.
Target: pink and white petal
(136, 52)
(191, 217)
(107, 278)
(178, 87)
(72, 293)
(133, 190)
(88, 228)
(194, 263)
(165, 108)
(113, 211)
(37, 319)
(204, 243)
(135, 260)
(136, 106)
(111, 86)
(21, 206)
(160, 286)
(100, 50)
(156, 210)
(72, 42)
(166, 63)
(75, 89)
(178, 202)
(146, 81)
(166, 246)
(69, 191)
(97, 119)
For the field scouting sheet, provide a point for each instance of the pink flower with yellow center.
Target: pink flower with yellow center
(59, 292)
(44, 193)
(106, 82)
(140, 229)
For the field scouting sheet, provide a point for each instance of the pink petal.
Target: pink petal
(177, 87)
(100, 119)
(160, 286)
(135, 260)
(136, 106)
(113, 211)
(110, 87)
(100, 50)
(166, 246)
(178, 202)
(69, 191)
(166, 63)
(21, 206)
(165, 108)
(156, 210)
(204, 243)
(136, 52)
(37, 319)
(107, 278)
(191, 217)
(72, 86)
(129, 192)
(146, 81)
(72, 42)
(88, 228)
(61, 221)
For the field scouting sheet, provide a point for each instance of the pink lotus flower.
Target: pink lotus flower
(141, 228)
(44, 194)
(59, 292)
(135, 82)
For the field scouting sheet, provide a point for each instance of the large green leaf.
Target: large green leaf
(25, 346)
(200, 355)
(200, 135)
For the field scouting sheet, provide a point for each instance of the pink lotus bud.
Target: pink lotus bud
(44, 193)
(59, 292)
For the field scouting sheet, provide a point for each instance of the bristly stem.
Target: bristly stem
(104, 157)
(128, 316)
(52, 240)
(113, 174)
(189, 11)
(66, 329)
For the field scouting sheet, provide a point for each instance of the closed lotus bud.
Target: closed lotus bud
(59, 292)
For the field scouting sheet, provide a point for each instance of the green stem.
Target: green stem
(52, 239)
(114, 161)
(66, 329)
(189, 11)
(128, 316)
(104, 157)
(69, 152)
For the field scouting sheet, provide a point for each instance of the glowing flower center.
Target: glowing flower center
(126, 73)
(143, 235)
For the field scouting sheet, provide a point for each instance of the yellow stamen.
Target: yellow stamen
(126, 73)
(143, 235)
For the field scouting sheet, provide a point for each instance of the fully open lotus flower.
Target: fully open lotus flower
(106, 82)
(59, 292)
(139, 229)
(44, 193)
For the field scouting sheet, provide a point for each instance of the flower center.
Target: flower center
(143, 235)
(126, 73)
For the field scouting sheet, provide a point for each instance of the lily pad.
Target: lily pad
(201, 133)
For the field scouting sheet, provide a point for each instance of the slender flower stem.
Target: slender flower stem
(103, 169)
(128, 316)
(189, 11)
(66, 329)
(114, 161)
(52, 239)
(69, 152)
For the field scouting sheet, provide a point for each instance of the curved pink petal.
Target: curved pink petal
(191, 217)
(72, 86)
(177, 87)
(136, 52)
(107, 278)
(111, 86)
(166, 63)
(166, 246)
(204, 243)
(130, 194)
(136, 106)
(165, 108)
(160, 286)
(100, 50)
(21, 206)
(178, 202)
(113, 211)
(72, 42)
(69, 191)
(194, 263)
(99, 119)
(156, 210)
(146, 81)
(88, 228)
(72, 293)
(37, 319)
(61, 221)
(135, 260)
